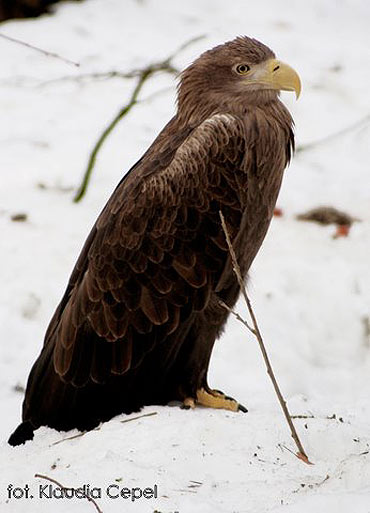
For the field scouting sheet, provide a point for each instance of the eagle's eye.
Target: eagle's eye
(242, 69)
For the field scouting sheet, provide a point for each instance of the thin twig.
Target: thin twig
(74, 436)
(95, 75)
(362, 122)
(237, 316)
(142, 76)
(282, 446)
(301, 452)
(81, 78)
(302, 416)
(140, 416)
(90, 499)
(100, 75)
(69, 438)
(106, 75)
(98, 428)
(311, 416)
(40, 50)
(92, 159)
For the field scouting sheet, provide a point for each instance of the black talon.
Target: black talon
(185, 407)
(242, 408)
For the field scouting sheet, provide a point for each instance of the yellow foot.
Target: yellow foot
(213, 399)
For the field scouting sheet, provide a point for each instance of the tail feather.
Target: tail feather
(49, 401)
(22, 434)
(65, 403)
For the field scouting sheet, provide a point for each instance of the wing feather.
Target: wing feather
(153, 257)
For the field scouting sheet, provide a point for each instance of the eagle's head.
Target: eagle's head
(239, 72)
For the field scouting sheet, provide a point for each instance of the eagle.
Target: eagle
(142, 310)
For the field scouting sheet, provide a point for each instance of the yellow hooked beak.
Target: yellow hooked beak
(278, 75)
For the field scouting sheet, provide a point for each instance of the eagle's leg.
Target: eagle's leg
(213, 399)
(199, 344)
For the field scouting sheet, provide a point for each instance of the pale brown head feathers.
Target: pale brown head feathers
(231, 77)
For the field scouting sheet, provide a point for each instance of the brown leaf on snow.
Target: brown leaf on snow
(342, 231)
(329, 215)
(20, 217)
(278, 212)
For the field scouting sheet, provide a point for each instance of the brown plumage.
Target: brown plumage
(141, 312)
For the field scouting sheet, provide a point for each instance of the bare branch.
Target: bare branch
(95, 76)
(302, 416)
(123, 112)
(237, 316)
(134, 73)
(90, 499)
(40, 50)
(142, 76)
(98, 428)
(74, 436)
(301, 452)
(140, 417)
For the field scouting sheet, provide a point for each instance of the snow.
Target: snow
(311, 293)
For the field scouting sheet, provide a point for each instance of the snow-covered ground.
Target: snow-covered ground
(311, 292)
